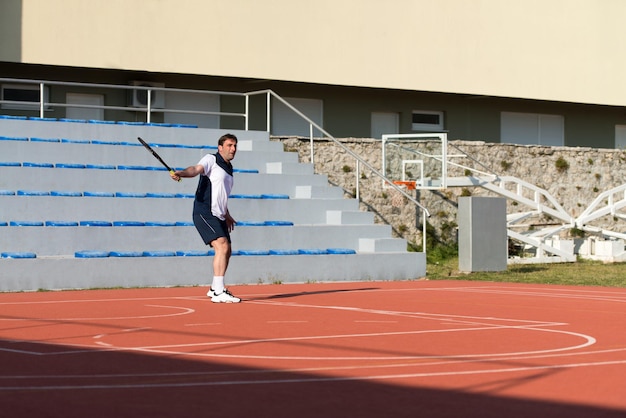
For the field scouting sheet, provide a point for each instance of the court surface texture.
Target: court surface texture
(366, 349)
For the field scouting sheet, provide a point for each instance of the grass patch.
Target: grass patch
(581, 273)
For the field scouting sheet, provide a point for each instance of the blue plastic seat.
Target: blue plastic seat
(75, 141)
(32, 193)
(12, 138)
(38, 165)
(192, 253)
(69, 165)
(340, 251)
(184, 223)
(159, 254)
(312, 251)
(126, 254)
(128, 223)
(245, 196)
(61, 223)
(278, 223)
(253, 252)
(96, 223)
(91, 254)
(25, 223)
(161, 195)
(98, 194)
(250, 223)
(160, 223)
(100, 166)
(45, 140)
(283, 252)
(274, 196)
(129, 194)
(65, 193)
(18, 255)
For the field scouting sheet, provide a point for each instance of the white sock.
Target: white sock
(218, 284)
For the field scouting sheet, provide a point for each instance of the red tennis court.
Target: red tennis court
(368, 349)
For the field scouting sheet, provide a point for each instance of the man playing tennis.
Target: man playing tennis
(210, 209)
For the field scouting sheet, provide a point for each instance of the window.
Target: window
(22, 93)
(427, 120)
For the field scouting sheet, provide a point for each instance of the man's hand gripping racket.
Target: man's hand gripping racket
(158, 157)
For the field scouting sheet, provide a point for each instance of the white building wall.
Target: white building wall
(560, 50)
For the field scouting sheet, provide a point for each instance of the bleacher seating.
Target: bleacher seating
(82, 204)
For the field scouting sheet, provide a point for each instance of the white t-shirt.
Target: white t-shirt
(221, 183)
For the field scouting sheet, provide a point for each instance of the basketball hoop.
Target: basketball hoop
(409, 185)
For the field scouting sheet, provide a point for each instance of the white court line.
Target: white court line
(439, 361)
(313, 379)
(484, 325)
(498, 357)
(167, 349)
(619, 299)
(185, 311)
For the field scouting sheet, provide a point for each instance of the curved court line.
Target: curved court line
(301, 369)
(186, 311)
(483, 324)
(161, 349)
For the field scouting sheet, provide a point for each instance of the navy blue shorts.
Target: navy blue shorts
(210, 227)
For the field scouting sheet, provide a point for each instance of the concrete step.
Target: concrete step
(318, 192)
(135, 154)
(117, 132)
(288, 168)
(60, 208)
(81, 273)
(382, 245)
(66, 240)
(144, 181)
(354, 217)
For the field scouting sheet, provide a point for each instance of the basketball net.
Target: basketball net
(398, 200)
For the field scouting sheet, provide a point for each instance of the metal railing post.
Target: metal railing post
(311, 142)
(149, 106)
(41, 100)
(358, 176)
(247, 111)
(269, 107)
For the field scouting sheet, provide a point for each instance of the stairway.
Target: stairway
(84, 205)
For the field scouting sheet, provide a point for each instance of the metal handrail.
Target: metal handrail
(359, 160)
(148, 109)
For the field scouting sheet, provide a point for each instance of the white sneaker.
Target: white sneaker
(211, 292)
(225, 297)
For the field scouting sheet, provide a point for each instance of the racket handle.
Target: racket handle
(173, 172)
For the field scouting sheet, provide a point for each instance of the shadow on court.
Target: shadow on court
(309, 293)
(61, 382)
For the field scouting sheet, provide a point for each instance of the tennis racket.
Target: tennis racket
(157, 156)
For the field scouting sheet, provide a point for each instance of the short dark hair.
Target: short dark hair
(224, 137)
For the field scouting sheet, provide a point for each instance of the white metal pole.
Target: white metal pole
(149, 106)
(247, 110)
(358, 176)
(311, 141)
(269, 102)
(41, 100)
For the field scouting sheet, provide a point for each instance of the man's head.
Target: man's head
(227, 146)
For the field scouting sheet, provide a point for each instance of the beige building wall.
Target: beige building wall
(560, 50)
